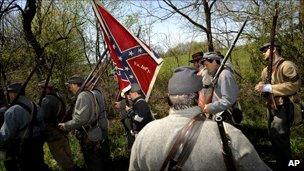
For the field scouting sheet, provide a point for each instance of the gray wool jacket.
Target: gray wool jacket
(87, 107)
(154, 141)
(225, 92)
(16, 121)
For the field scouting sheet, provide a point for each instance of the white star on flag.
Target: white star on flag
(131, 76)
(139, 50)
(127, 69)
(131, 53)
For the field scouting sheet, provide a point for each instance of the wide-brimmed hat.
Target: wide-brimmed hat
(267, 45)
(196, 57)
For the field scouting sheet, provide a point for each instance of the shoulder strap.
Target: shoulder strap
(277, 65)
(28, 109)
(184, 144)
(33, 115)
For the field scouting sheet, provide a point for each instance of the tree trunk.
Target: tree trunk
(28, 16)
(208, 26)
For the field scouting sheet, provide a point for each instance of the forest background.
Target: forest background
(34, 32)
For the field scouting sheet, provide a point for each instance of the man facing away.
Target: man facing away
(155, 140)
(285, 82)
(90, 121)
(54, 110)
(21, 133)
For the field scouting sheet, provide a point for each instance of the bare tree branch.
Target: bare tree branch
(84, 46)
(170, 4)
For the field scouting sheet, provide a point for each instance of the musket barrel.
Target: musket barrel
(228, 53)
(92, 72)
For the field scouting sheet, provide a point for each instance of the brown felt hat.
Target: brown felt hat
(196, 57)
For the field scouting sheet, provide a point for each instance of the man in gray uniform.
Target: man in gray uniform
(20, 133)
(225, 91)
(155, 140)
(90, 121)
(53, 107)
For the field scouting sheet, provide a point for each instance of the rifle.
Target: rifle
(227, 154)
(47, 81)
(83, 86)
(90, 76)
(95, 79)
(270, 100)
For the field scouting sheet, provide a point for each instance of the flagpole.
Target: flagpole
(157, 60)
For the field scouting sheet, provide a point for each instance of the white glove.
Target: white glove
(267, 88)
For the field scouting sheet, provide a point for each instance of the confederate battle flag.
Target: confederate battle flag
(134, 61)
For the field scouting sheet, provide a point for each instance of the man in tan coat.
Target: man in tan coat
(285, 83)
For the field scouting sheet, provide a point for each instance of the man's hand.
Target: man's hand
(128, 108)
(206, 109)
(61, 126)
(117, 105)
(258, 88)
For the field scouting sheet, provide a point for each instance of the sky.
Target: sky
(166, 33)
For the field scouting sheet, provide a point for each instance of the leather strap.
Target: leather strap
(184, 144)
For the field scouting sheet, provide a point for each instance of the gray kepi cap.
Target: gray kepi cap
(135, 88)
(15, 87)
(185, 81)
(211, 56)
(75, 79)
